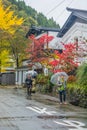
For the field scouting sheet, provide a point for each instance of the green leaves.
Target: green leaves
(82, 74)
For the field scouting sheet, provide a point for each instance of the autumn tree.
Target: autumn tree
(8, 22)
(36, 50)
(8, 25)
(7, 61)
(17, 46)
(66, 60)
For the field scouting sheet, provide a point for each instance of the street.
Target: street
(40, 113)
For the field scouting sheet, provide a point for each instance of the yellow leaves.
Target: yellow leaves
(55, 56)
(8, 21)
(44, 62)
(4, 58)
(8, 25)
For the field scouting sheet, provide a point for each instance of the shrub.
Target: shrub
(82, 75)
(71, 79)
(77, 94)
(44, 81)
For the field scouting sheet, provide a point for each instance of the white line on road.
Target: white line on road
(71, 123)
(41, 111)
(33, 109)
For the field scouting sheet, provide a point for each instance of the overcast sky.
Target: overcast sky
(56, 8)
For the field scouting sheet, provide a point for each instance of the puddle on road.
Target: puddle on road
(50, 117)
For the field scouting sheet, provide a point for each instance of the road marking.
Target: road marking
(71, 123)
(79, 129)
(31, 108)
(41, 111)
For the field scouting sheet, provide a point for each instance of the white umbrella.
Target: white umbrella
(32, 73)
(56, 77)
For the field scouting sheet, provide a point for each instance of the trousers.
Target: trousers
(29, 90)
(62, 96)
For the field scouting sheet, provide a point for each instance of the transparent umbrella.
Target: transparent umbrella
(32, 73)
(56, 77)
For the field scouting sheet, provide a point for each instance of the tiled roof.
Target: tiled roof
(40, 30)
(75, 13)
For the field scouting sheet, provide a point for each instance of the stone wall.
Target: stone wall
(77, 98)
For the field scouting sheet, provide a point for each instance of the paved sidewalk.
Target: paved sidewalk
(47, 97)
(22, 91)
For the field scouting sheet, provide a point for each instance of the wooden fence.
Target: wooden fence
(7, 78)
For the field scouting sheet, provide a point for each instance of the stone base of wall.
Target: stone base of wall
(78, 100)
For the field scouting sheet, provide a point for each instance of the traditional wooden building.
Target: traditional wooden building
(75, 26)
(75, 30)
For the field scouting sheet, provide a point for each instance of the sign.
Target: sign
(46, 71)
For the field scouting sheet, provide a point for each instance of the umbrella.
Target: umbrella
(32, 73)
(56, 77)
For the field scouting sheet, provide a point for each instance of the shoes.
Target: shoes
(61, 103)
(65, 103)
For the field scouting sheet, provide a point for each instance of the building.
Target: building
(20, 72)
(75, 30)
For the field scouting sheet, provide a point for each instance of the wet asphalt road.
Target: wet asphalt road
(40, 113)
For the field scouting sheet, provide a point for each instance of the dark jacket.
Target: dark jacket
(28, 81)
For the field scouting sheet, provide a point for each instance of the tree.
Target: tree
(36, 51)
(8, 25)
(66, 59)
(17, 46)
(6, 62)
(39, 18)
(8, 22)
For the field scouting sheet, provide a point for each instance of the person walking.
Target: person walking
(62, 90)
(28, 82)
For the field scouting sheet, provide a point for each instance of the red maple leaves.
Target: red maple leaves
(66, 60)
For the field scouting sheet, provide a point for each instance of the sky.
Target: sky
(56, 8)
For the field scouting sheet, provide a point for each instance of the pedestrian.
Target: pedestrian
(62, 90)
(28, 82)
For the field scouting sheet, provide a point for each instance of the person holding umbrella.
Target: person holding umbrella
(59, 79)
(62, 89)
(28, 82)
